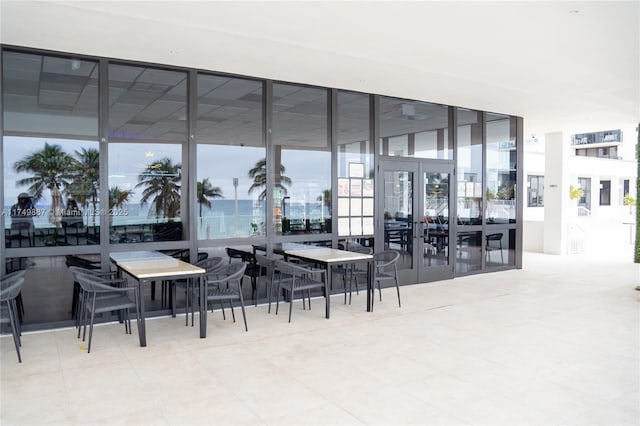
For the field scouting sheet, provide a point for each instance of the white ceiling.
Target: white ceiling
(571, 66)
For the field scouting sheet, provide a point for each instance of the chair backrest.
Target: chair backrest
(363, 250)
(240, 254)
(210, 264)
(494, 237)
(385, 258)
(292, 269)
(72, 260)
(91, 283)
(266, 263)
(14, 275)
(229, 272)
(12, 289)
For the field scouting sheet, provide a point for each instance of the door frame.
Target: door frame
(418, 166)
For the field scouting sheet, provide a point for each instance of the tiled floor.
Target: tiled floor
(554, 343)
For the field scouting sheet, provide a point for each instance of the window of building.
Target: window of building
(414, 129)
(585, 185)
(231, 158)
(50, 150)
(355, 167)
(469, 158)
(500, 171)
(535, 191)
(605, 192)
(302, 159)
(147, 135)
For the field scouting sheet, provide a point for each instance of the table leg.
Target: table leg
(327, 291)
(203, 309)
(143, 329)
(370, 287)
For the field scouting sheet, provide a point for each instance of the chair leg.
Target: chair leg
(14, 331)
(91, 327)
(398, 290)
(233, 314)
(291, 294)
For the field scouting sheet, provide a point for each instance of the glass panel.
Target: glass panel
(147, 131)
(469, 251)
(302, 160)
(501, 169)
(469, 190)
(355, 166)
(49, 293)
(585, 200)
(232, 173)
(51, 152)
(436, 219)
(414, 129)
(398, 215)
(500, 247)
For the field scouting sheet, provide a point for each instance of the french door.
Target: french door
(416, 199)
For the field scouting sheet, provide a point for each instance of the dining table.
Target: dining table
(329, 257)
(148, 266)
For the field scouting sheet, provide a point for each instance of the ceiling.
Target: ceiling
(563, 66)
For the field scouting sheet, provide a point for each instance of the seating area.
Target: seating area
(532, 342)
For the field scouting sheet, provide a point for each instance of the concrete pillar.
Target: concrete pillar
(556, 194)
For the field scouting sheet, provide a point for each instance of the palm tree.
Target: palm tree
(51, 168)
(85, 184)
(161, 180)
(117, 199)
(259, 175)
(205, 191)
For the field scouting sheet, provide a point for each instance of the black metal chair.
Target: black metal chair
(224, 284)
(93, 302)
(10, 288)
(72, 260)
(210, 264)
(253, 271)
(352, 271)
(497, 239)
(294, 278)
(382, 262)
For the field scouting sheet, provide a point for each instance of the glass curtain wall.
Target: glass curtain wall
(500, 176)
(51, 151)
(231, 159)
(469, 191)
(355, 171)
(52, 125)
(302, 160)
(50, 175)
(147, 135)
(414, 129)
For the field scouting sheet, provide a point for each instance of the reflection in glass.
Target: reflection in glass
(302, 202)
(398, 216)
(231, 158)
(469, 190)
(145, 192)
(500, 247)
(436, 219)
(501, 169)
(50, 150)
(147, 131)
(414, 129)
(468, 251)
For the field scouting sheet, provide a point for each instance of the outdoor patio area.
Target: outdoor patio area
(554, 343)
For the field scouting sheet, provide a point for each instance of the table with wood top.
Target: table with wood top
(328, 257)
(147, 266)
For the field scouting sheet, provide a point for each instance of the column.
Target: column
(556, 194)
